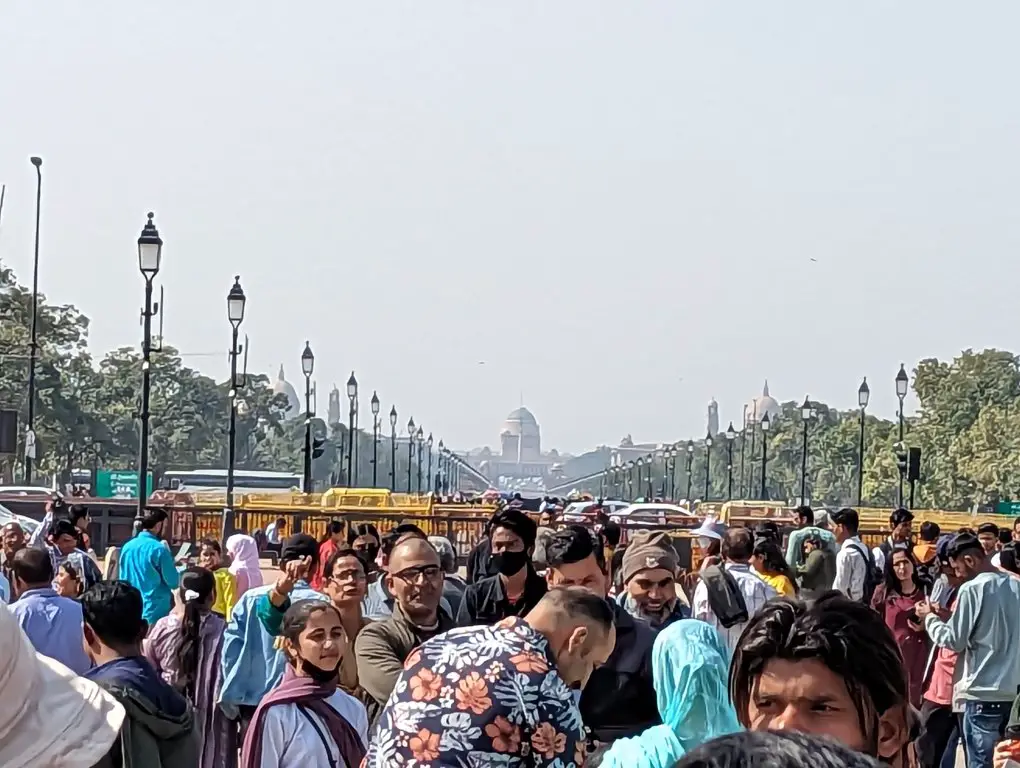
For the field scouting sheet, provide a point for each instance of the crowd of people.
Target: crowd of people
(562, 647)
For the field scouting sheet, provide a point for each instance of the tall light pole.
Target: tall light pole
(150, 255)
(33, 345)
(421, 438)
(352, 394)
(672, 472)
(708, 463)
(806, 414)
(307, 367)
(754, 433)
(863, 395)
(667, 457)
(443, 463)
(690, 466)
(428, 442)
(410, 451)
(731, 435)
(235, 314)
(765, 424)
(743, 442)
(393, 448)
(640, 475)
(902, 383)
(375, 439)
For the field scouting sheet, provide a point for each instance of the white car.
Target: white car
(654, 513)
(582, 511)
(27, 524)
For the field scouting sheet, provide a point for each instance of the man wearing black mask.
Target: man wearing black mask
(516, 588)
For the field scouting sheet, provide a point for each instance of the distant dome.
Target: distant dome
(761, 405)
(283, 387)
(521, 421)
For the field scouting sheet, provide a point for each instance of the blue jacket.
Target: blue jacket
(147, 564)
(251, 663)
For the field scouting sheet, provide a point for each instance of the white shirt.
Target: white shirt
(290, 741)
(271, 534)
(851, 568)
(879, 555)
(755, 591)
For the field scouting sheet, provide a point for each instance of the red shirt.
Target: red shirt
(940, 686)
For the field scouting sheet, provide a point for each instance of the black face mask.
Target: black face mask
(369, 553)
(508, 563)
(318, 674)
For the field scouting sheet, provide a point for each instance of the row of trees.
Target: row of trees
(86, 409)
(967, 426)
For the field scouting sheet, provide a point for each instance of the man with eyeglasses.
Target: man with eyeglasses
(415, 579)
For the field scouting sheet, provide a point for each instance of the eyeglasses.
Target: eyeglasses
(352, 574)
(415, 573)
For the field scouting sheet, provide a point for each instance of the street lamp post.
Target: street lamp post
(640, 474)
(672, 472)
(731, 435)
(863, 395)
(375, 440)
(393, 448)
(352, 394)
(667, 456)
(421, 437)
(33, 346)
(150, 254)
(428, 442)
(410, 450)
(743, 441)
(443, 463)
(690, 465)
(235, 314)
(765, 424)
(806, 413)
(902, 383)
(708, 463)
(307, 366)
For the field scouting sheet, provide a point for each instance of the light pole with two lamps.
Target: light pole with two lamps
(235, 314)
(150, 255)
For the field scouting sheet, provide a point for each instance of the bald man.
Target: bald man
(415, 579)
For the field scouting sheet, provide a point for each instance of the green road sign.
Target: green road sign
(119, 484)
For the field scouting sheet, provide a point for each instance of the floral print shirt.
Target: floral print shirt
(480, 696)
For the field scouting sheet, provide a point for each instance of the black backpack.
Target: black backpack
(872, 577)
(724, 596)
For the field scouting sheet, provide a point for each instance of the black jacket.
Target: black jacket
(485, 601)
(619, 699)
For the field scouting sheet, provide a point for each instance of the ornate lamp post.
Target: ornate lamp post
(443, 461)
(410, 450)
(352, 395)
(765, 424)
(708, 463)
(806, 414)
(731, 435)
(421, 437)
(150, 255)
(375, 440)
(393, 448)
(307, 367)
(235, 314)
(428, 442)
(743, 442)
(863, 395)
(902, 384)
(640, 474)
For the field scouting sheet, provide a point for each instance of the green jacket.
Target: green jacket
(150, 738)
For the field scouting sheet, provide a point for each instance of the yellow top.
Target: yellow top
(226, 587)
(780, 583)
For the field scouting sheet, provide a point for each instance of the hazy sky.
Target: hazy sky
(614, 205)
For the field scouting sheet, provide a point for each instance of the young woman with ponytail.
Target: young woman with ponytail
(185, 648)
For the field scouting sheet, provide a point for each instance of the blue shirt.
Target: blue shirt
(5, 589)
(149, 566)
(984, 629)
(251, 663)
(54, 625)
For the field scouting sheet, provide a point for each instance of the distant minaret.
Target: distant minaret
(333, 414)
(713, 417)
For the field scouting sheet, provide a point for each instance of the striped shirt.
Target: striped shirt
(851, 568)
(755, 591)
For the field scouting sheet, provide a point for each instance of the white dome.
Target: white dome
(759, 406)
(283, 387)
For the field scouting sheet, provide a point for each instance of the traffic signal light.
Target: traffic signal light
(901, 458)
(318, 447)
(914, 465)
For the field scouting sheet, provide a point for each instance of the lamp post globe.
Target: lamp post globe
(307, 361)
(235, 303)
(375, 404)
(902, 382)
(806, 411)
(731, 433)
(352, 387)
(150, 249)
(863, 393)
(393, 416)
(766, 424)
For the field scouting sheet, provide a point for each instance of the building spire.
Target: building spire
(765, 391)
(279, 376)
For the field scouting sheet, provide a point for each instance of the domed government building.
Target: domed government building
(283, 387)
(520, 456)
